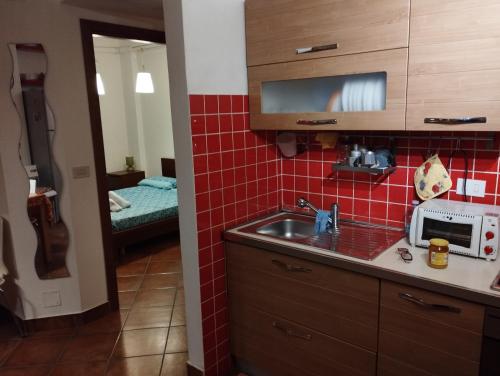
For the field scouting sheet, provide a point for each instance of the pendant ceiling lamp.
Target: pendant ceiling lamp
(100, 85)
(144, 81)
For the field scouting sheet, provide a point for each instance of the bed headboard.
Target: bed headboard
(168, 167)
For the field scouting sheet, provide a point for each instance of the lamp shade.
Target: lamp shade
(144, 83)
(100, 85)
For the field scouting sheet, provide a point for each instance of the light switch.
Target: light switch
(475, 188)
(80, 172)
(51, 299)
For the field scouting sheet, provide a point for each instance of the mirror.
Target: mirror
(35, 152)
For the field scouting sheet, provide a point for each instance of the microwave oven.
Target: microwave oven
(471, 229)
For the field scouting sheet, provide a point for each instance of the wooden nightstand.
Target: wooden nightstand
(124, 179)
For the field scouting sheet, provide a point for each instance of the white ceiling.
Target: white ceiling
(137, 8)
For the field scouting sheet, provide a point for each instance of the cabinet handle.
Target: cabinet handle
(308, 50)
(316, 122)
(289, 332)
(422, 303)
(291, 268)
(456, 121)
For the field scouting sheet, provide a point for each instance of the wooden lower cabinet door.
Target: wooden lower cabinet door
(280, 347)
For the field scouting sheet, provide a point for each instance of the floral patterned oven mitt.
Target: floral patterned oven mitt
(431, 179)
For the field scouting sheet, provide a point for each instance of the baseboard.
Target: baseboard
(193, 371)
(63, 321)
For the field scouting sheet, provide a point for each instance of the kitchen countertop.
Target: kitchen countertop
(465, 278)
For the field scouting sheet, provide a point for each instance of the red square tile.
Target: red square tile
(345, 188)
(378, 210)
(200, 164)
(213, 143)
(226, 140)
(379, 192)
(486, 161)
(315, 185)
(261, 170)
(251, 172)
(215, 180)
(198, 124)
(196, 104)
(238, 122)
(224, 104)
(250, 139)
(205, 277)
(239, 140)
(251, 156)
(361, 207)
(212, 123)
(236, 103)
(204, 239)
(227, 160)
(211, 104)
(399, 176)
(301, 168)
(208, 323)
(221, 315)
(225, 123)
(301, 184)
(397, 212)
(201, 183)
(228, 178)
(207, 291)
(345, 205)
(240, 175)
(241, 211)
(490, 179)
(216, 198)
(202, 202)
(228, 195)
(208, 339)
(315, 169)
(204, 257)
(397, 194)
(214, 162)
(251, 189)
(219, 285)
(217, 234)
(330, 187)
(239, 158)
(199, 145)
(240, 192)
(245, 103)
(217, 216)
(229, 212)
(203, 220)
(218, 251)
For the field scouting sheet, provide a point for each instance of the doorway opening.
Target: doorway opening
(128, 93)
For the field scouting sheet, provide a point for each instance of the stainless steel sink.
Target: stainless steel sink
(356, 239)
(288, 229)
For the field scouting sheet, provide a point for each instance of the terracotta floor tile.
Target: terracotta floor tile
(178, 315)
(177, 340)
(126, 299)
(174, 365)
(155, 298)
(168, 254)
(129, 283)
(110, 323)
(148, 317)
(30, 371)
(7, 347)
(180, 281)
(80, 369)
(132, 268)
(164, 267)
(90, 348)
(138, 366)
(37, 351)
(159, 281)
(141, 342)
(179, 299)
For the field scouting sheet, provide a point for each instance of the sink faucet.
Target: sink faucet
(334, 213)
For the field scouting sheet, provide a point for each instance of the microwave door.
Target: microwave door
(462, 232)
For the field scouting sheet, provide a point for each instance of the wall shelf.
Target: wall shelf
(365, 170)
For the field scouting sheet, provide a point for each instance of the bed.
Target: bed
(154, 212)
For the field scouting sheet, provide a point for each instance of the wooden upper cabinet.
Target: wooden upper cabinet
(277, 29)
(353, 92)
(454, 65)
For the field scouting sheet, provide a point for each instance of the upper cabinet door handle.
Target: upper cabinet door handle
(456, 121)
(432, 306)
(308, 50)
(316, 122)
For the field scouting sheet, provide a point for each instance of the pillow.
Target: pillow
(170, 180)
(156, 184)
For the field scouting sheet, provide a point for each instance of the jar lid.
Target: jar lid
(439, 242)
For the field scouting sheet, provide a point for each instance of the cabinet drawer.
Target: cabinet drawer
(337, 280)
(338, 315)
(454, 68)
(423, 358)
(296, 346)
(387, 366)
(275, 29)
(284, 96)
(398, 297)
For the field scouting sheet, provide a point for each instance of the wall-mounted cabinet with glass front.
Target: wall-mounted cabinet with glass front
(353, 92)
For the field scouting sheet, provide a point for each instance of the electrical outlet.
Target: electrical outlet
(51, 298)
(80, 172)
(475, 188)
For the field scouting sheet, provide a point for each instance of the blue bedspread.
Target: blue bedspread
(148, 204)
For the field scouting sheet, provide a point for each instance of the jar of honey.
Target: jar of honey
(438, 253)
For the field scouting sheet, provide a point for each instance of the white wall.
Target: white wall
(112, 104)
(57, 27)
(214, 37)
(134, 124)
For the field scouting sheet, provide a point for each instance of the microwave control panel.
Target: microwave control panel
(489, 238)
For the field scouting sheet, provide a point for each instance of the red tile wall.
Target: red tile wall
(237, 178)
(385, 200)
(240, 174)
